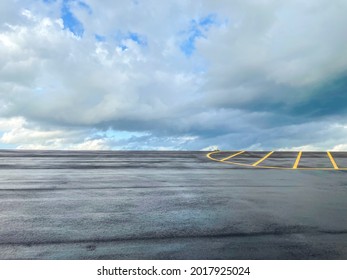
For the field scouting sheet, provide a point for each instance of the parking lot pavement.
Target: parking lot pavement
(172, 205)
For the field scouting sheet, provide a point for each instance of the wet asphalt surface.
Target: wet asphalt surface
(169, 205)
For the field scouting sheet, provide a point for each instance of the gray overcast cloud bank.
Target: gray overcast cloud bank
(173, 74)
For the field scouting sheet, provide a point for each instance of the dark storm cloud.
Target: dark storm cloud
(179, 75)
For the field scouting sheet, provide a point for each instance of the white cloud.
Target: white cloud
(340, 147)
(19, 132)
(302, 148)
(11, 123)
(248, 70)
(23, 135)
(272, 43)
(210, 148)
(96, 144)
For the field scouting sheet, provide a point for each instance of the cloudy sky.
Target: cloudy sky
(149, 74)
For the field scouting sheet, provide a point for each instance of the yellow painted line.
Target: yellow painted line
(210, 156)
(295, 166)
(261, 160)
(332, 160)
(234, 155)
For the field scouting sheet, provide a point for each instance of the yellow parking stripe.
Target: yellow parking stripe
(261, 160)
(255, 165)
(295, 166)
(332, 160)
(234, 155)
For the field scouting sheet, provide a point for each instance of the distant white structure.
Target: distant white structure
(210, 148)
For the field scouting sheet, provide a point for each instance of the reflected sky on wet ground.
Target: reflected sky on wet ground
(166, 205)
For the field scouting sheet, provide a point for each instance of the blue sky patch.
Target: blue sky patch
(196, 29)
(207, 21)
(116, 134)
(100, 38)
(202, 76)
(123, 47)
(136, 37)
(85, 6)
(70, 20)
